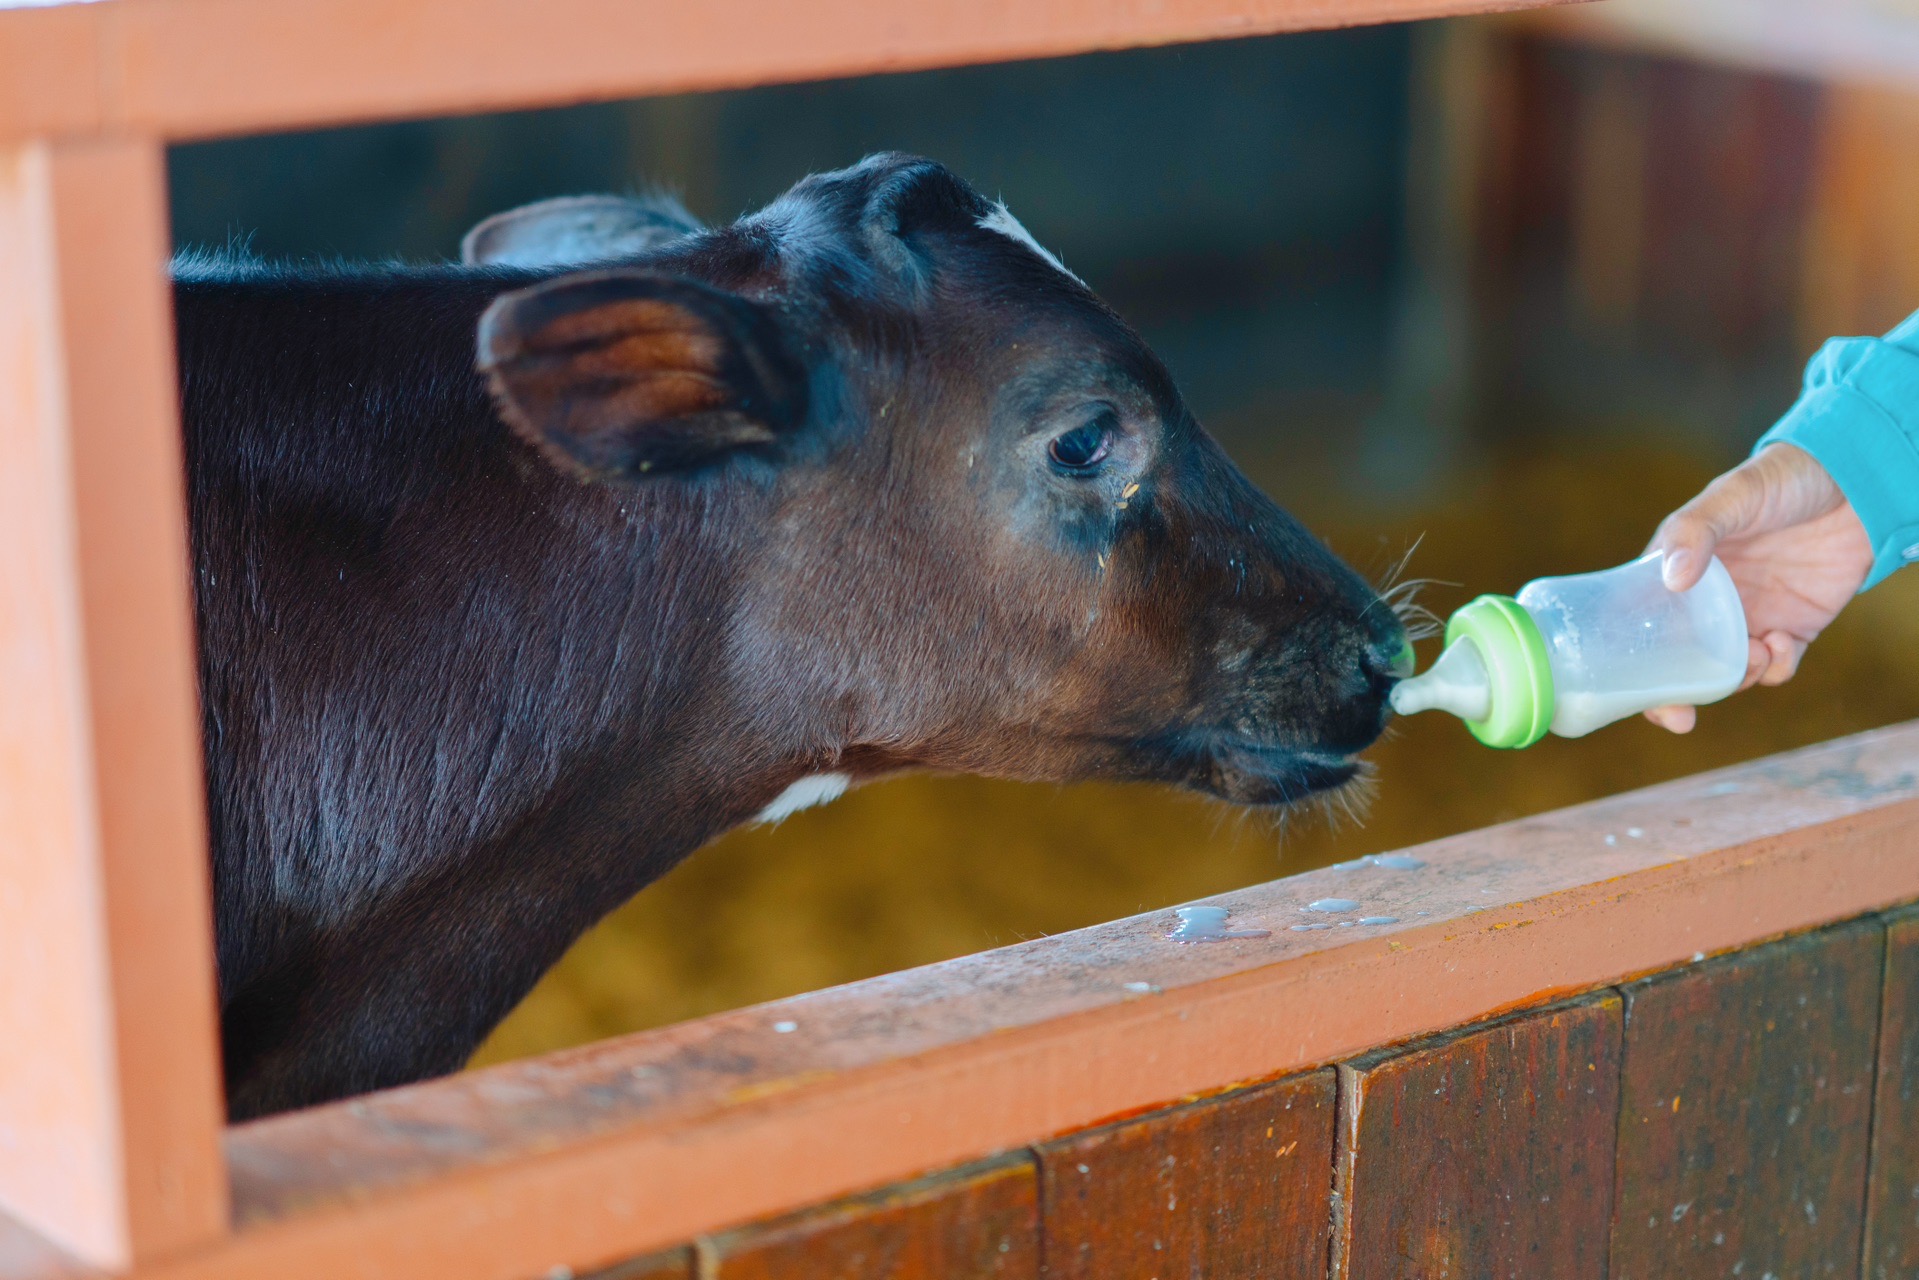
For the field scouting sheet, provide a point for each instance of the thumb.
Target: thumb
(1780, 486)
(1689, 537)
(1688, 545)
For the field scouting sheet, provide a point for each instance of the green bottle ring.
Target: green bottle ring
(1508, 640)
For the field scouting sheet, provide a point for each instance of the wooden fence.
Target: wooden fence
(1693, 1007)
(1659, 1035)
(1752, 1114)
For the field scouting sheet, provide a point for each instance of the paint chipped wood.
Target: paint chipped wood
(1487, 1152)
(1231, 1186)
(979, 1223)
(673, 1264)
(1745, 1106)
(1892, 1197)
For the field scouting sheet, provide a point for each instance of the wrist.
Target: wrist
(1868, 458)
(1797, 485)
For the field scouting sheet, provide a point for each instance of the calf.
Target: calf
(865, 482)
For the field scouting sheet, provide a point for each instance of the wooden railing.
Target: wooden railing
(1752, 1114)
(1655, 1035)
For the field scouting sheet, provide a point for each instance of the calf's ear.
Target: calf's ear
(572, 231)
(617, 374)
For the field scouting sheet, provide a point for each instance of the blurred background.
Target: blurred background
(1502, 291)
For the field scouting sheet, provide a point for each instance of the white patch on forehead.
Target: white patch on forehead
(814, 789)
(1001, 219)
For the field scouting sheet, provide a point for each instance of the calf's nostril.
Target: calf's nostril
(1389, 657)
(1403, 663)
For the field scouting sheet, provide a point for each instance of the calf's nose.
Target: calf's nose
(1359, 711)
(1388, 654)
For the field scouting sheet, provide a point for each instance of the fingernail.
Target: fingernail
(1674, 568)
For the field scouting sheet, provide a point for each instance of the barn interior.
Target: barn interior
(1498, 294)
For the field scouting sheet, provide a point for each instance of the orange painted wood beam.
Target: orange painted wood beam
(110, 1108)
(599, 1153)
(179, 69)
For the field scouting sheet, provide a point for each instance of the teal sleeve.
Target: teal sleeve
(1859, 416)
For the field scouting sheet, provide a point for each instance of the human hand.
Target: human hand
(1793, 545)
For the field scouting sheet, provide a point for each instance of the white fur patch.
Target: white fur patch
(1001, 219)
(814, 789)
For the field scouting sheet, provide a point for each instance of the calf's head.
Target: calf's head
(986, 533)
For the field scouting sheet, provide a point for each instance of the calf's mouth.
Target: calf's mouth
(1246, 771)
(1257, 773)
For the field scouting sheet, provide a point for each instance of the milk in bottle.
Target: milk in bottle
(1574, 653)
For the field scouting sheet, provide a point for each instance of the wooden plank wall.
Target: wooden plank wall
(1199, 1190)
(1745, 1111)
(1892, 1196)
(1493, 1147)
(1750, 1114)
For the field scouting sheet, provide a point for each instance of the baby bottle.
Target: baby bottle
(1571, 654)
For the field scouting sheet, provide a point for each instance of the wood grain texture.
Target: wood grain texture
(1233, 1186)
(673, 1264)
(969, 1224)
(1483, 1153)
(1892, 1193)
(1745, 1111)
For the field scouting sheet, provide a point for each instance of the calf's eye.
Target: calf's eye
(1080, 450)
